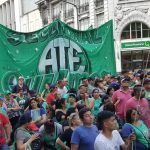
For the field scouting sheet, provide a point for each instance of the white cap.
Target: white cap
(21, 77)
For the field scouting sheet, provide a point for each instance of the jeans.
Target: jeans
(4, 147)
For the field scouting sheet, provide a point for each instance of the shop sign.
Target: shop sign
(135, 44)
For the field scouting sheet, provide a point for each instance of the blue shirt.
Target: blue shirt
(36, 113)
(84, 137)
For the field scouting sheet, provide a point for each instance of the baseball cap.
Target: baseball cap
(52, 86)
(137, 75)
(114, 85)
(21, 77)
(126, 79)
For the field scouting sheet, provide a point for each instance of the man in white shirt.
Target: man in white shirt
(109, 138)
(61, 88)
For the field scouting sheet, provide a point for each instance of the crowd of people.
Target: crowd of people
(104, 113)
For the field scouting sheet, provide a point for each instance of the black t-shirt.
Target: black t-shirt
(17, 87)
(66, 137)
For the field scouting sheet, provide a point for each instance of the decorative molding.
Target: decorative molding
(133, 16)
(121, 13)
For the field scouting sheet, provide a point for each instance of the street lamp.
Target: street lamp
(76, 9)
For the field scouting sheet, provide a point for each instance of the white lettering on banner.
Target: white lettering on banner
(58, 59)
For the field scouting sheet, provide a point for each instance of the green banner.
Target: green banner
(54, 52)
(135, 44)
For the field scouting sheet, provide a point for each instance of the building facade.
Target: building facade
(10, 14)
(132, 33)
(130, 19)
(20, 15)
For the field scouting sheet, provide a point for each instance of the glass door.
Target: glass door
(134, 60)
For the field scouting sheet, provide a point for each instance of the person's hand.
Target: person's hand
(131, 137)
(34, 136)
(86, 95)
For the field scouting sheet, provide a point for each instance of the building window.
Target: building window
(135, 30)
(69, 11)
(84, 6)
(99, 3)
(84, 24)
(56, 11)
(99, 19)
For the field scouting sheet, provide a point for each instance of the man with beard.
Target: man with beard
(140, 103)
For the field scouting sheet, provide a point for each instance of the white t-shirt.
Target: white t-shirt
(62, 91)
(103, 143)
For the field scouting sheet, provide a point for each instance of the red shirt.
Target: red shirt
(50, 97)
(124, 97)
(3, 121)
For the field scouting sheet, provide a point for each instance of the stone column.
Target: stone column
(91, 12)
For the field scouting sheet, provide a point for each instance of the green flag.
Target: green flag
(54, 52)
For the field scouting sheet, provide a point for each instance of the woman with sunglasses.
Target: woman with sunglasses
(50, 131)
(136, 126)
(74, 121)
